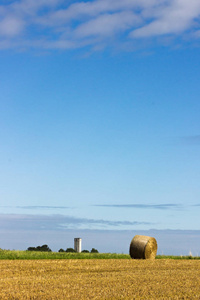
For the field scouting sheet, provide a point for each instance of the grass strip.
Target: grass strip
(17, 254)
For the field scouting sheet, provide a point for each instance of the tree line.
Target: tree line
(45, 248)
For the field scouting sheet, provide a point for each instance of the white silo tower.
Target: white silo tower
(77, 244)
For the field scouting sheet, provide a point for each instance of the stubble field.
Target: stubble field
(100, 279)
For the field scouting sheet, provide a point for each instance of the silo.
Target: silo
(77, 244)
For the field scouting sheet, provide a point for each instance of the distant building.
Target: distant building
(77, 244)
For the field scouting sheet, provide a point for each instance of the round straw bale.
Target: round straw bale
(143, 247)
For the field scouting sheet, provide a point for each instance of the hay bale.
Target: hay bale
(143, 247)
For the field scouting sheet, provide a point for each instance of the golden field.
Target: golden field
(100, 279)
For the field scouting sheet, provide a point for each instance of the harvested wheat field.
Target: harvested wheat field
(100, 279)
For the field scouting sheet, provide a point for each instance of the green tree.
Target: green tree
(61, 250)
(43, 248)
(94, 250)
(31, 249)
(70, 250)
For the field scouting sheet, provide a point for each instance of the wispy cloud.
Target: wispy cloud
(55, 24)
(58, 222)
(38, 207)
(43, 207)
(143, 206)
(169, 17)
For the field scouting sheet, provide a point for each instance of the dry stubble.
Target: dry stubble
(100, 279)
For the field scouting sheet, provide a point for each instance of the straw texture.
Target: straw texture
(143, 247)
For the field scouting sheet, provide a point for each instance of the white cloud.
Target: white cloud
(55, 24)
(59, 222)
(107, 24)
(174, 18)
(11, 26)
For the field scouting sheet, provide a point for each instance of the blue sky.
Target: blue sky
(99, 118)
